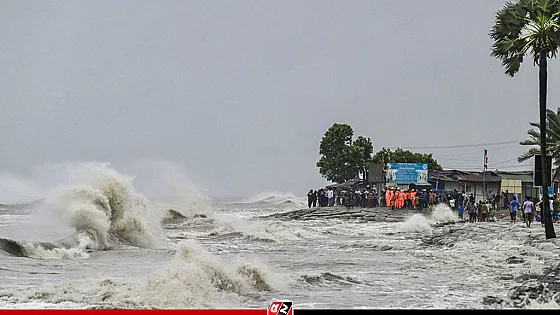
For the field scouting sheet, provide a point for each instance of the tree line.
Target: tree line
(342, 158)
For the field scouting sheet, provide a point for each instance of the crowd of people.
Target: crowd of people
(365, 198)
(531, 211)
(411, 199)
(527, 209)
(395, 198)
(477, 211)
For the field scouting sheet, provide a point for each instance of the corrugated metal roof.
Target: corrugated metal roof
(474, 177)
(525, 177)
(456, 175)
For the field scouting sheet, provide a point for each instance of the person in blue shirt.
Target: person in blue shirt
(513, 207)
(460, 210)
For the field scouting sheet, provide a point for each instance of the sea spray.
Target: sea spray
(194, 278)
(34, 250)
(443, 213)
(169, 186)
(104, 200)
(417, 223)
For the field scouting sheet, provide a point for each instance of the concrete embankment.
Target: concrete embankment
(358, 214)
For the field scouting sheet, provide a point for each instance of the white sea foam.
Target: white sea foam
(268, 229)
(442, 213)
(211, 274)
(79, 250)
(194, 278)
(419, 223)
(549, 305)
(416, 223)
(102, 203)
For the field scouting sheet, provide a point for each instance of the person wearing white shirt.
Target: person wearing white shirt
(330, 195)
(528, 208)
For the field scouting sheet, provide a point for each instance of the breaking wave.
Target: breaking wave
(416, 224)
(70, 248)
(419, 223)
(195, 269)
(103, 207)
(194, 278)
(442, 213)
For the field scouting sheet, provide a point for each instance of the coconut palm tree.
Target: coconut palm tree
(530, 27)
(552, 140)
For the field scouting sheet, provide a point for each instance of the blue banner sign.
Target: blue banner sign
(407, 173)
(549, 190)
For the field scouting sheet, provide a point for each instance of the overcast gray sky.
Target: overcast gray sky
(241, 92)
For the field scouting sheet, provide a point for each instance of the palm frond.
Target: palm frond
(529, 142)
(525, 26)
(552, 137)
(529, 154)
(534, 135)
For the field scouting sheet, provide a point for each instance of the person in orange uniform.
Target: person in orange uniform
(431, 198)
(394, 197)
(387, 197)
(401, 199)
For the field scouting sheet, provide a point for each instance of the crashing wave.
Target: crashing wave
(104, 209)
(194, 278)
(74, 246)
(419, 223)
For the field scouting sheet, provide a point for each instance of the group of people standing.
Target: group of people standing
(532, 211)
(365, 199)
(478, 212)
(410, 199)
(392, 197)
(358, 198)
(322, 198)
(398, 199)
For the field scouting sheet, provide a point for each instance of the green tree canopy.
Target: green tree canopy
(341, 158)
(526, 27)
(552, 141)
(385, 156)
(366, 156)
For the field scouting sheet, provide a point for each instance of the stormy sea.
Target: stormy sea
(95, 240)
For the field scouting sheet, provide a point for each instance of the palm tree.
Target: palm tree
(552, 140)
(530, 27)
